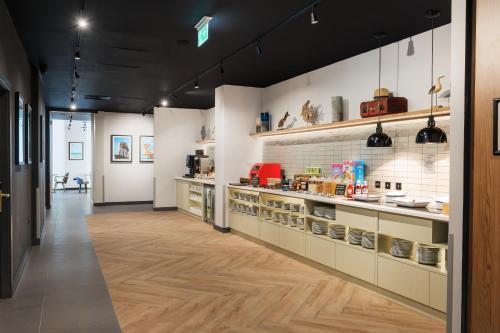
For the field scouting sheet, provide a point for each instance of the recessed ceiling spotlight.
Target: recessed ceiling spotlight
(77, 55)
(314, 17)
(196, 85)
(164, 102)
(82, 23)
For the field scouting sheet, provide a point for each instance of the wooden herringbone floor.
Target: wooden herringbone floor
(167, 272)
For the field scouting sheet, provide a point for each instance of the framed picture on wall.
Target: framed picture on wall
(75, 150)
(28, 139)
(496, 125)
(147, 144)
(121, 148)
(20, 130)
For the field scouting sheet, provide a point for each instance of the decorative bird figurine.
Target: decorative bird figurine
(437, 87)
(281, 123)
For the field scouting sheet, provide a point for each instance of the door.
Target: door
(484, 244)
(5, 211)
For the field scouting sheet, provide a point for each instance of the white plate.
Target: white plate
(412, 203)
(361, 197)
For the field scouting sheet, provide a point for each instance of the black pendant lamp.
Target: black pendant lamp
(379, 138)
(431, 133)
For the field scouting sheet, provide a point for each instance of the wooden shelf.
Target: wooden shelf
(321, 219)
(206, 142)
(439, 112)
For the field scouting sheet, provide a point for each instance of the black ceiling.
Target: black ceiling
(136, 51)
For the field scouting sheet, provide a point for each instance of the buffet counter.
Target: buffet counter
(196, 197)
(414, 212)
(401, 250)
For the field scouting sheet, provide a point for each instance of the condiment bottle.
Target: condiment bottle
(359, 188)
(365, 187)
(350, 190)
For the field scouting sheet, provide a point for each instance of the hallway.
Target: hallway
(62, 289)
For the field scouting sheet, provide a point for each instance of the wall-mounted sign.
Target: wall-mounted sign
(496, 125)
(202, 28)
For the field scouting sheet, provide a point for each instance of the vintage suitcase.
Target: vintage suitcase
(386, 105)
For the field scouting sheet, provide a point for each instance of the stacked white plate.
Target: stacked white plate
(354, 236)
(300, 223)
(292, 221)
(266, 215)
(278, 204)
(336, 231)
(391, 196)
(319, 211)
(276, 217)
(428, 255)
(319, 228)
(295, 208)
(286, 206)
(368, 240)
(401, 248)
(330, 213)
(283, 219)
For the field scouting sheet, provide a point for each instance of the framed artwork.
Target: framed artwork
(75, 151)
(121, 148)
(147, 144)
(28, 140)
(496, 125)
(20, 130)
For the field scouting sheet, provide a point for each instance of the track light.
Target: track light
(73, 89)
(77, 55)
(196, 85)
(77, 76)
(221, 68)
(82, 23)
(314, 17)
(72, 106)
(164, 102)
(258, 49)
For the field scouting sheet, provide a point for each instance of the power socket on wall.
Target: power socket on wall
(387, 185)
(399, 186)
(377, 184)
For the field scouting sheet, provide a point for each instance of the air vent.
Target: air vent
(120, 66)
(98, 97)
(128, 49)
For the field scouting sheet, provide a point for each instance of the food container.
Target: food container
(327, 187)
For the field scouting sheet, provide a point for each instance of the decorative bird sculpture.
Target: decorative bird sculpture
(437, 87)
(281, 123)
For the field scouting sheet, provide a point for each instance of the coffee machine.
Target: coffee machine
(193, 163)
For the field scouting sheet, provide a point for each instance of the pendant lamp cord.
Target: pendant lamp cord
(379, 75)
(432, 64)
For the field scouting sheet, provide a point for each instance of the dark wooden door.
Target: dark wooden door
(484, 244)
(5, 211)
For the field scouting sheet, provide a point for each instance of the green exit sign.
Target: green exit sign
(202, 28)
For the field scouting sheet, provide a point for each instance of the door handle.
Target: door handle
(3, 196)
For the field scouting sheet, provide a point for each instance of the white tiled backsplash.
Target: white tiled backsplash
(423, 170)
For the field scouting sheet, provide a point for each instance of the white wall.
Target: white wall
(122, 181)
(60, 150)
(176, 133)
(356, 78)
(235, 111)
(458, 47)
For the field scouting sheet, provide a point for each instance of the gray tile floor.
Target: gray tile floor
(63, 289)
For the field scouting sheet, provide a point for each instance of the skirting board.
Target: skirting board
(120, 203)
(224, 230)
(164, 209)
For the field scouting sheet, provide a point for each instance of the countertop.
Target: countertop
(414, 212)
(197, 180)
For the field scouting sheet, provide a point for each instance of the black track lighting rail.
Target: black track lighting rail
(255, 42)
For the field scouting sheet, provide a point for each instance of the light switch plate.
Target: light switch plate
(399, 186)
(387, 185)
(377, 184)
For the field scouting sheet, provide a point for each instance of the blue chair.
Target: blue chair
(81, 182)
